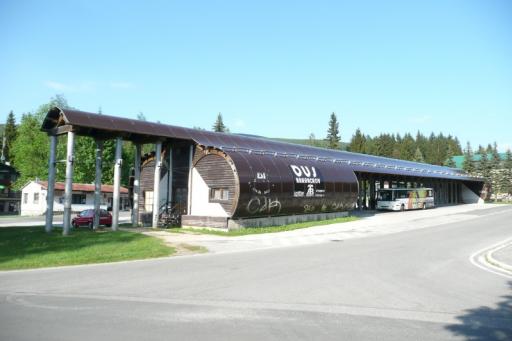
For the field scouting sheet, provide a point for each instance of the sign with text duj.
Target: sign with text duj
(308, 182)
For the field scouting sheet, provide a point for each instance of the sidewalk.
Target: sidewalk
(378, 224)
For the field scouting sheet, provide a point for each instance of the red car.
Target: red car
(85, 218)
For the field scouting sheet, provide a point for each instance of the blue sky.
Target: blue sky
(271, 68)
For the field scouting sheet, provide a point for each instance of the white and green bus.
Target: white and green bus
(401, 199)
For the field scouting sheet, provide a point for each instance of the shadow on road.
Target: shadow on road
(486, 323)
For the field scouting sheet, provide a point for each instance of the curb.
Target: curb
(493, 261)
(484, 259)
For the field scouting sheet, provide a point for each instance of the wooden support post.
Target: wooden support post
(68, 187)
(117, 183)
(136, 185)
(169, 178)
(97, 183)
(51, 184)
(189, 196)
(156, 183)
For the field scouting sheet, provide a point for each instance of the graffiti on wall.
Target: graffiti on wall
(264, 204)
(261, 201)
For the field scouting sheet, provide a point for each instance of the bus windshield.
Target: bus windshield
(385, 195)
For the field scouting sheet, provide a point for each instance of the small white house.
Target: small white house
(33, 197)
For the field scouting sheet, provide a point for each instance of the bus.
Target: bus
(401, 199)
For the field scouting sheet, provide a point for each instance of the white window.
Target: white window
(148, 201)
(78, 199)
(36, 198)
(219, 194)
(25, 198)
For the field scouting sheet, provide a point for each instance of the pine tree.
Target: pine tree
(457, 149)
(10, 134)
(397, 142)
(418, 156)
(484, 167)
(468, 165)
(357, 143)
(507, 165)
(449, 162)
(495, 157)
(219, 126)
(333, 133)
(407, 148)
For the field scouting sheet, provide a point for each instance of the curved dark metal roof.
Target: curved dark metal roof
(110, 126)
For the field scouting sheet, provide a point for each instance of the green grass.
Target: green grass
(269, 229)
(32, 247)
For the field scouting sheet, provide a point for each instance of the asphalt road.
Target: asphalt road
(413, 285)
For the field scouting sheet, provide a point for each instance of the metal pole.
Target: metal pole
(136, 186)
(189, 192)
(117, 183)
(68, 187)
(51, 184)
(156, 183)
(97, 183)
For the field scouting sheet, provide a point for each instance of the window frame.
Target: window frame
(224, 194)
(78, 195)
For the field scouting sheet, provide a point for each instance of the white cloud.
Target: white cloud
(239, 123)
(504, 146)
(57, 86)
(122, 85)
(79, 87)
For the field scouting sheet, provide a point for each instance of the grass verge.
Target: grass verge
(269, 229)
(32, 247)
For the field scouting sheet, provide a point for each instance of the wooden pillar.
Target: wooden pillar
(51, 183)
(373, 198)
(68, 187)
(117, 183)
(168, 198)
(97, 183)
(189, 192)
(136, 185)
(156, 183)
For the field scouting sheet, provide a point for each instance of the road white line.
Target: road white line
(480, 259)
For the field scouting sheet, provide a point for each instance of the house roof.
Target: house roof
(459, 159)
(82, 187)
(59, 121)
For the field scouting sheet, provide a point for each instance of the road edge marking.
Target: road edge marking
(481, 259)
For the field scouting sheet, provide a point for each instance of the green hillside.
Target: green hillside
(315, 142)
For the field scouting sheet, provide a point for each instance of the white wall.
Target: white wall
(58, 204)
(31, 208)
(469, 197)
(201, 197)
